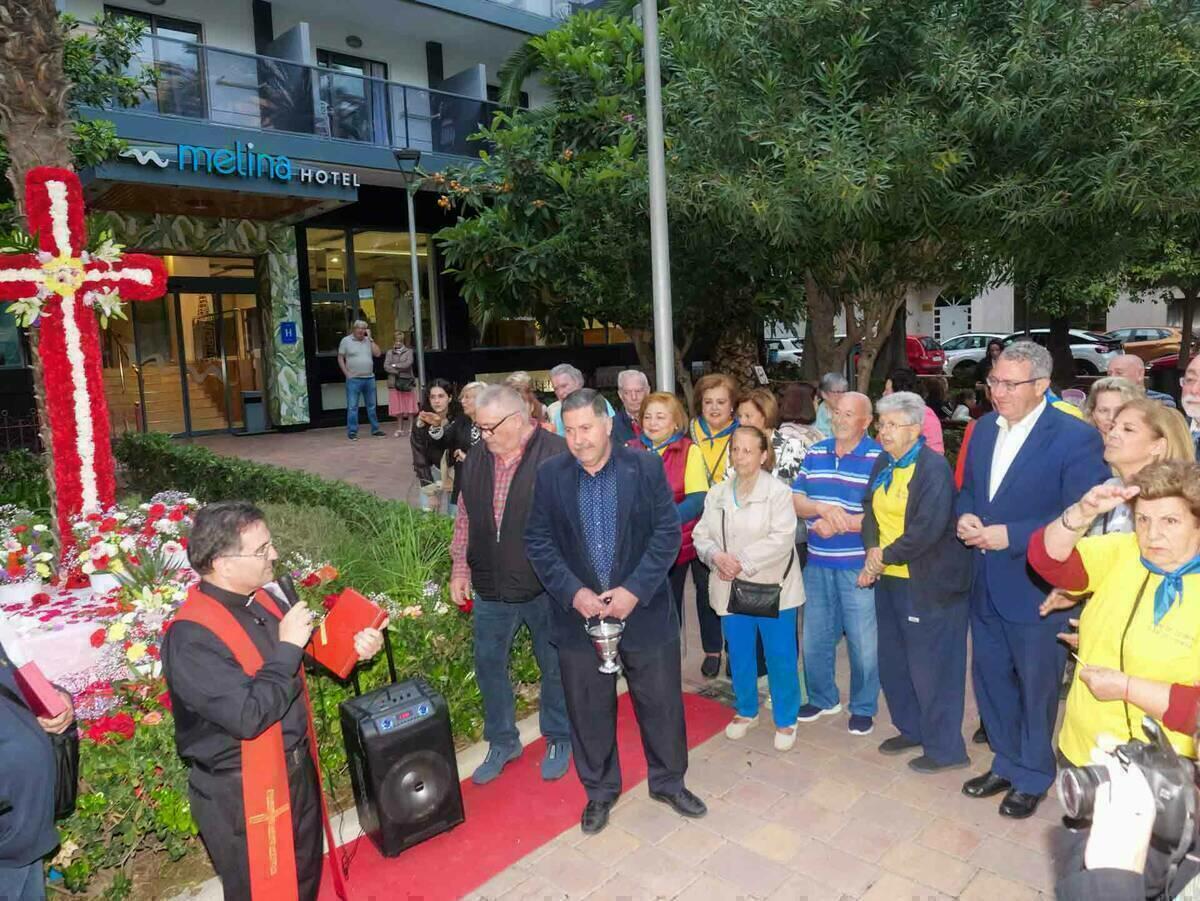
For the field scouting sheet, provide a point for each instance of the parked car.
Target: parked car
(964, 352)
(784, 350)
(1148, 342)
(1090, 350)
(925, 355)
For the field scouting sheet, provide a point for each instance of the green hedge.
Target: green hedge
(23, 480)
(153, 461)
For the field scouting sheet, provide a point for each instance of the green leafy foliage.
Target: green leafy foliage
(23, 480)
(101, 69)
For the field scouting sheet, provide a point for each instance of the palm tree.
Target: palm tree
(35, 127)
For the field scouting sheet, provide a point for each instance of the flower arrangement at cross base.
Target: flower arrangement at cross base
(26, 552)
(114, 540)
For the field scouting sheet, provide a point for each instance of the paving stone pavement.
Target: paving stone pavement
(830, 820)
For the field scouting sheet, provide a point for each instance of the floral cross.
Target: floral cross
(56, 289)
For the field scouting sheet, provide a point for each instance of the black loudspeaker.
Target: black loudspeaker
(402, 764)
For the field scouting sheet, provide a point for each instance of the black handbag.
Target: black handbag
(755, 598)
(66, 762)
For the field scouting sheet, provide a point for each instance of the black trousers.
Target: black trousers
(220, 813)
(711, 638)
(657, 693)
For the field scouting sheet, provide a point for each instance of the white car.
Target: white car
(784, 350)
(1091, 351)
(963, 352)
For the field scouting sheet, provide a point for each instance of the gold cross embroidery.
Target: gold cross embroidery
(273, 813)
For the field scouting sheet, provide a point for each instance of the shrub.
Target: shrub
(23, 480)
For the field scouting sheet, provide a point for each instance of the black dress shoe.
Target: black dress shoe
(980, 736)
(986, 785)
(595, 816)
(711, 666)
(683, 803)
(1019, 805)
(897, 744)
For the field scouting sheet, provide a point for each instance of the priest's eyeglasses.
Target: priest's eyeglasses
(261, 553)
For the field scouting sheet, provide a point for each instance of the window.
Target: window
(354, 96)
(368, 275)
(493, 94)
(11, 354)
(170, 47)
(962, 342)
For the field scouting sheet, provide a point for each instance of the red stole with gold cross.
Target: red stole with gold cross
(265, 791)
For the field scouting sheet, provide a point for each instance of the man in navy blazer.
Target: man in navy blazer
(602, 535)
(1027, 463)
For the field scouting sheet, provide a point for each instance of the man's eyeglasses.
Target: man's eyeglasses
(262, 553)
(487, 430)
(1006, 386)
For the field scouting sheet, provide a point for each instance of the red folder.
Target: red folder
(42, 697)
(332, 642)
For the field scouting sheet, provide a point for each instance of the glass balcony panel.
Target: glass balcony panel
(240, 89)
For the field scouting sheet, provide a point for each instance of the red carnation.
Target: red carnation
(152, 652)
(165, 699)
(135, 559)
(467, 606)
(95, 540)
(108, 524)
(17, 530)
(156, 511)
(183, 543)
(176, 515)
(97, 638)
(329, 601)
(94, 517)
(41, 598)
(122, 724)
(310, 580)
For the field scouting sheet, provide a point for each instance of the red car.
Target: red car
(925, 356)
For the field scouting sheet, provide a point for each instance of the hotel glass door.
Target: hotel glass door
(180, 364)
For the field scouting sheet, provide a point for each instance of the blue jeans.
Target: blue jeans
(779, 647)
(363, 389)
(23, 883)
(835, 604)
(495, 625)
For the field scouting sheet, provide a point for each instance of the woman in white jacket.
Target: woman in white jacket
(748, 533)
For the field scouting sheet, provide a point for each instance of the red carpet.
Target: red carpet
(505, 820)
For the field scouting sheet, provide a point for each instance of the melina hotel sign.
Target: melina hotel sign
(242, 161)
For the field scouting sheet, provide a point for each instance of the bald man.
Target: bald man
(1127, 366)
(828, 493)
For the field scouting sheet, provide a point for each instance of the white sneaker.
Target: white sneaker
(737, 729)
(784, 741)
(811, 712)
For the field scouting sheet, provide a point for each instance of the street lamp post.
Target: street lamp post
(660, 252)
(408, 159)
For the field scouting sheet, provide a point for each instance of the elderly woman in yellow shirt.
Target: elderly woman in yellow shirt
(1144, 615)
(921, 573)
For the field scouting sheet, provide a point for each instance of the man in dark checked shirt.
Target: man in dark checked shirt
(488, 555)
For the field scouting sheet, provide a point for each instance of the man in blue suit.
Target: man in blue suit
(602, 535)
(1027, 463)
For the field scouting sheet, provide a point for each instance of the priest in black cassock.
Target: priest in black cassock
(233, 663)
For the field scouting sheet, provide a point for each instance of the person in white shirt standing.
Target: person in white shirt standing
(1027, 463)
(356, 358)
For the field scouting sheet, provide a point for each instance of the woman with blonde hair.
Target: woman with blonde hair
(522, 382)
(663, 425)
(715, 397)
(1106, 397)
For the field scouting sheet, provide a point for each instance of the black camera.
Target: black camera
(1171, 779)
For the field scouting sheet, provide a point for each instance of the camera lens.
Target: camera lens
(1077, 789)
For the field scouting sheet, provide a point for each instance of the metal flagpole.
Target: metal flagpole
(419, 338)
(660, 252)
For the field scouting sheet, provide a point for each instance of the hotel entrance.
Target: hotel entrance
(180, 364)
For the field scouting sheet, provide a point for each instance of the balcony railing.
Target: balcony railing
(226, 87)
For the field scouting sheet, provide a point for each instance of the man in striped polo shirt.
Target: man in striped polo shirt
(828, 494)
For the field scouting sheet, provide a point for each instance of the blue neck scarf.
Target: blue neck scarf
(702, 424)
(1171, 588)
(659, 448)
(885, 475)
